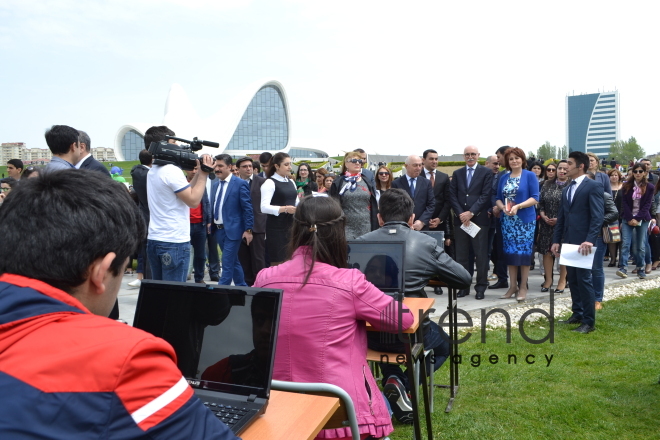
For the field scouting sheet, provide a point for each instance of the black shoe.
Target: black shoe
(584, 328)
(499, 285)
(463, 292)
(479, 295)
(544, 289)
(401, 406)
(570, 320)
(215, 278)
(438, 290)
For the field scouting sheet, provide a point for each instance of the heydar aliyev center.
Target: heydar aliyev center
(256, 120)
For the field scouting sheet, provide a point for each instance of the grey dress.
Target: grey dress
(357, 209)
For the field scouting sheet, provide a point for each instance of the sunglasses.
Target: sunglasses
(551, 170)
(639, 172)
(360, 161)
(383, 173)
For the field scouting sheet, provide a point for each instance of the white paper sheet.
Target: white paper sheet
(471, 229)
(571, 257)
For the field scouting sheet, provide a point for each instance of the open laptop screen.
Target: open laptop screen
(439, 237)
(224, 336)
(380, 261)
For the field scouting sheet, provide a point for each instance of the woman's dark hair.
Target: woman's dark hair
(310, 174)
(396, 205)
(630, 183)
(30, 170)
(54, 226)
(516, 152)
(319, 224)
(545, 174)
(389, 180)
(277, 159)
(537, 164)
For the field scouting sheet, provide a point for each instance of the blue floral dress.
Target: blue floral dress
(518, 236)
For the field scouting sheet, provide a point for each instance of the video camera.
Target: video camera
(182, 156)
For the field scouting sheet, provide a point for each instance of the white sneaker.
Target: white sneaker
(136, 283)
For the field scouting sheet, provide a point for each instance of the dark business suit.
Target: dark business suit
(423, 198)
(139, 174)
(441, 194)
(497, 253)
(577, 222)
(237, 217)
(253, 257)
(475, 198)
(92, 164)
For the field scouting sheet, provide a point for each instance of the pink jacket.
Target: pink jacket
(322, 334)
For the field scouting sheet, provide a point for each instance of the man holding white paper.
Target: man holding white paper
(469, 194)
(579, 221)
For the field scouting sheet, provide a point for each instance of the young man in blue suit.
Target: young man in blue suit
(579, 221)
(233, 218)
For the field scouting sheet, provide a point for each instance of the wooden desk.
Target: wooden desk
(292, 416)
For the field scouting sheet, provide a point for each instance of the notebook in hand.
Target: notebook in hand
(224, 338)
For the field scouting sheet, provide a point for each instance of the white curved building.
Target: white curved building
(256, 120)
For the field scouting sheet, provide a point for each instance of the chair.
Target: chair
(345, 414)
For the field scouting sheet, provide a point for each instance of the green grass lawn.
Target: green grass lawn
(603, 385)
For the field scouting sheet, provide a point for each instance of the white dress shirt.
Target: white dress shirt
(224, 194)
(267, 191)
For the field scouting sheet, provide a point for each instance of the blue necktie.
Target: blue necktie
(412, 187)
(469, 177)
(219, 200)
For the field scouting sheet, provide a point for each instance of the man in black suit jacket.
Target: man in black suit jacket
(469, 193)
(139, 174)
(579, 222)
(440, 184)
(253, 256)
(419, 189)
(88, 162)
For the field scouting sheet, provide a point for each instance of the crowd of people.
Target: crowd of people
(288, 231)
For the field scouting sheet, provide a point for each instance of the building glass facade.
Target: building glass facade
(264, 125)
(592, 122)
(132, 144)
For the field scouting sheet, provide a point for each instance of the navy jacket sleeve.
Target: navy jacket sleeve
(246, 205)
(597, 212)
(430, 204)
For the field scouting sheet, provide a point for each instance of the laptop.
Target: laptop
(224, 338)
(439, 237)
(381, 262)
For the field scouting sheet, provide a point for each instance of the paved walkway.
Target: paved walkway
(128, 296)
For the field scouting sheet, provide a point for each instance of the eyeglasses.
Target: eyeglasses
(639, 172)
(360, 161)
(383, 173)
(5, 189)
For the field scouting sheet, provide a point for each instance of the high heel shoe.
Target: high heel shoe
(545, 289)
(560, 291)
(509, 294)
(612, 264)
(521, 298)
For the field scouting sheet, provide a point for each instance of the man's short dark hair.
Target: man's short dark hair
(426, 152)
(17, 163)
(580, 158)
(60, 137)
(256, 166)
(265, 157)
(83, 138)
(225, 158)
(145, 157)
(501, 150)
(9, 181)
(240, 160)
(395, 205)
(54, 226)
(156, 134)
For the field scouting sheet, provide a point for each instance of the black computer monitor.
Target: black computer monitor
(381, 262)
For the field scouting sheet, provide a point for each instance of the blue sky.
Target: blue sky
(390, 77)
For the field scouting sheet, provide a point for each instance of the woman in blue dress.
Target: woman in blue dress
(517, 195)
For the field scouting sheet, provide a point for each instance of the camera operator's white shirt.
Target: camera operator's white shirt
(170, 217)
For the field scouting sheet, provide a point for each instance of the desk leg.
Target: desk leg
(414, 392)
(425, 387)
(453, 334)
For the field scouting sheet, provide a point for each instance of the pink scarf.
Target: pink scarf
(637, 193)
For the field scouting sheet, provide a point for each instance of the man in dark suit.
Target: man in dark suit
(232, 218)
(139, 174)
(440, 183)
(469, 193)
(253, 256)
(579, 221)
(88, 162)
(419, 189)
(499, 263)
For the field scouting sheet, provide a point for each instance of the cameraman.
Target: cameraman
(170, 199)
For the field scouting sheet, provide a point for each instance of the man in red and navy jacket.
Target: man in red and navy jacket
(67, 371)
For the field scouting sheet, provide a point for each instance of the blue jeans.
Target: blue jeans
(633, 236)
(597, 273)
(168, 261)
(198, 242)
(231, 267)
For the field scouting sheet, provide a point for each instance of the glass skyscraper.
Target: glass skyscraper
(592, 122)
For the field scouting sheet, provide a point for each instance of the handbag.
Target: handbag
(611, 233)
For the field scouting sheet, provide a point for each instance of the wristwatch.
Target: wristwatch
(249, 230)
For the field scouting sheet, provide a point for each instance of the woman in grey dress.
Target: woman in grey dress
(356, 196)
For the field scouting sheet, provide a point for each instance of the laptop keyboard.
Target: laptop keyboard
(231, 416)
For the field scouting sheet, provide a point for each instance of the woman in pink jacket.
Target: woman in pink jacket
(322, 334)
